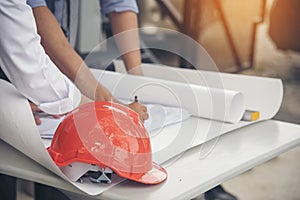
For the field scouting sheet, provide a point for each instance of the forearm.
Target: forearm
(64, 56)
(126, 23)
(70, 63)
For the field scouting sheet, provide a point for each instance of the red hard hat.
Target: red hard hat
(108, 135)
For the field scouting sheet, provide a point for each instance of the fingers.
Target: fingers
(34, 107)
(56, 116)
(36, 112)
(37, 120)
(143, 115)
(140, 109)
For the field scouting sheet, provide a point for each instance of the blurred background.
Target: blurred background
(254, 37)
(236, 34)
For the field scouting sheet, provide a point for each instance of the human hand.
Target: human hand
(36, 111)
(140, 109)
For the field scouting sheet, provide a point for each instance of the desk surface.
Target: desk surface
(191, 174)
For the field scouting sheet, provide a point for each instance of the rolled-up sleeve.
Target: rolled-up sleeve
(108, 6)
(26, 64)
(36, 3)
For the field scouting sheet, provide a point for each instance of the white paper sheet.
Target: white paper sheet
(19, 130)
(48, 126)
(162, 116)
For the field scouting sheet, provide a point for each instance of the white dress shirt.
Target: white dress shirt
(24, 61)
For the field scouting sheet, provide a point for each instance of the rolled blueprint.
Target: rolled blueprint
(200, 101)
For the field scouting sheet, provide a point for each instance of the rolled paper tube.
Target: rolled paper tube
(200, 101)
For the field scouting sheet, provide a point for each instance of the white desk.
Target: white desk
(189, 175)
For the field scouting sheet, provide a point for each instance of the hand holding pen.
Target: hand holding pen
(140, 109)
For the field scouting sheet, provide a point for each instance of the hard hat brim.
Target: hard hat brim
(154, 176)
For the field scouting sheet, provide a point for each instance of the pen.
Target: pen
(136, 99)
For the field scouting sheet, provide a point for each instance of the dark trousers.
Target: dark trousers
(42, 192)
(7, 187)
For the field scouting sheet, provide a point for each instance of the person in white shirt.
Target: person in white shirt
(30, 70)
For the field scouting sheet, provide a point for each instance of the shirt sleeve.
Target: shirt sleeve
(26, 64)
(36, 3)
(108, 6)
